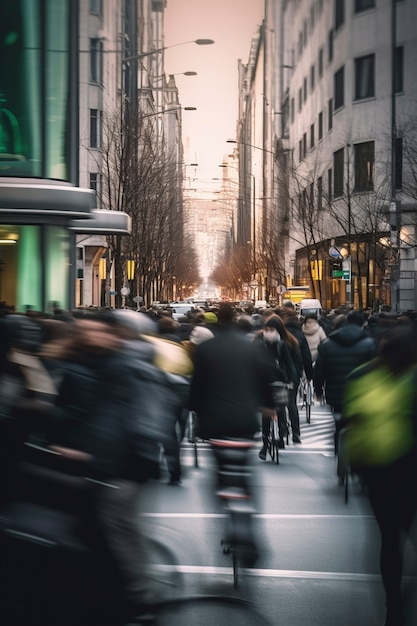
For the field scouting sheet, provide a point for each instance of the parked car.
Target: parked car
(179, 309)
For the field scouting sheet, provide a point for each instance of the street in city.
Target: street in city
(319, 562)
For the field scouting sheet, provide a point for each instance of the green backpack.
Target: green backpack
(378, 413)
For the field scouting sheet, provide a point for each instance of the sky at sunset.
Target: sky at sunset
(232, 24)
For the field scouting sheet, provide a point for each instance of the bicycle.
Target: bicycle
(233, 490)
(191, 429)
(307, 394)
(272, 438)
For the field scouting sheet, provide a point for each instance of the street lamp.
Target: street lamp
(142, 55)
(249, 145)
(169, 111)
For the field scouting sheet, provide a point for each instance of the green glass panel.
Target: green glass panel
(29, 272)
(57, 115)
(57, 249)
(34, 88)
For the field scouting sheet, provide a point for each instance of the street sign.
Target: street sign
(346, 274)
(281, 289)
(335, 253)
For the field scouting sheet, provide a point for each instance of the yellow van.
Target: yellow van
(297, 293)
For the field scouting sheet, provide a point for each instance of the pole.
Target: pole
(393, 209)
(254, 229)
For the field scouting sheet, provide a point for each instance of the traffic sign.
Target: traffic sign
(253, 284)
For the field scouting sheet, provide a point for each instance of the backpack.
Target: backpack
(378, 412)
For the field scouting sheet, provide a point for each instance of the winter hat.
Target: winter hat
(200, 334)
(272, 322)
(210, 317)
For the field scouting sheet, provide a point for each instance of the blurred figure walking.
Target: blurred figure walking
(346, 348)
(380, 412)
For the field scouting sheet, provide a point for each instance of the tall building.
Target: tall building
(339, 194)
(39, 194)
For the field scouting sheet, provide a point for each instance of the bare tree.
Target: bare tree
(140, 179)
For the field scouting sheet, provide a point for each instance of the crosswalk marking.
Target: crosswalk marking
(319, 434)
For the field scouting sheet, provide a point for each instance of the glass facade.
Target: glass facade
(34, 267)
(35, 65)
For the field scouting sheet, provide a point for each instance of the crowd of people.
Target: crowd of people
(114, 387)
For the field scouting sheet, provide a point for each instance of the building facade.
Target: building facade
(340, 83)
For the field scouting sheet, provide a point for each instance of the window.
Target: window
(364, 166)
(96, 6)
(320, 125)
(365, 77)
(95, 184)
(330, 125)
(305, 89)
(399, 70)
(305, 145)
(96, 58)
(364, 5)
(312, 77)
(320, 193)
(312, 142)
(338, 168)
(95, 134)
(300, 99)
(330, 45)
(398, 163)
(339, 13)
(321, 53)
(292, 110)
(339, 88)
(312, 195)
(329, 183)
(300, 147)
(305, 25)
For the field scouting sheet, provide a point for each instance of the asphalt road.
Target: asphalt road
(319, 564)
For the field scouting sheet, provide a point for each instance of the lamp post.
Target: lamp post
(168, 111)
(250, 145)
(142, 55)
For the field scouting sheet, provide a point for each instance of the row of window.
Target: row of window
(359, 6)
(339, 176)
(316, 126)
(364, 83)
(339, 20)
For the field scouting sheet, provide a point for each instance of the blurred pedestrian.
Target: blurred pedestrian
(314, 334)
(346, 348)
(380, 412)
(224, 391)
(110, 407)
(275, 344)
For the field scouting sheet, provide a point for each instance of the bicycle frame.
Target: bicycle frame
(233, 489)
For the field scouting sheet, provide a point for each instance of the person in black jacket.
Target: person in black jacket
(346, 348)
(281, 350)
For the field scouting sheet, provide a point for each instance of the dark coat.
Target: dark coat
(225, 391)
(278, 364)
(304, 363)
(345, 349)
(115, 410)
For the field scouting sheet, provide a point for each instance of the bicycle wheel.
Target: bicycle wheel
(235, 558)
(164, 569)
(192, 434)
(274, 440)
(206, 610)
